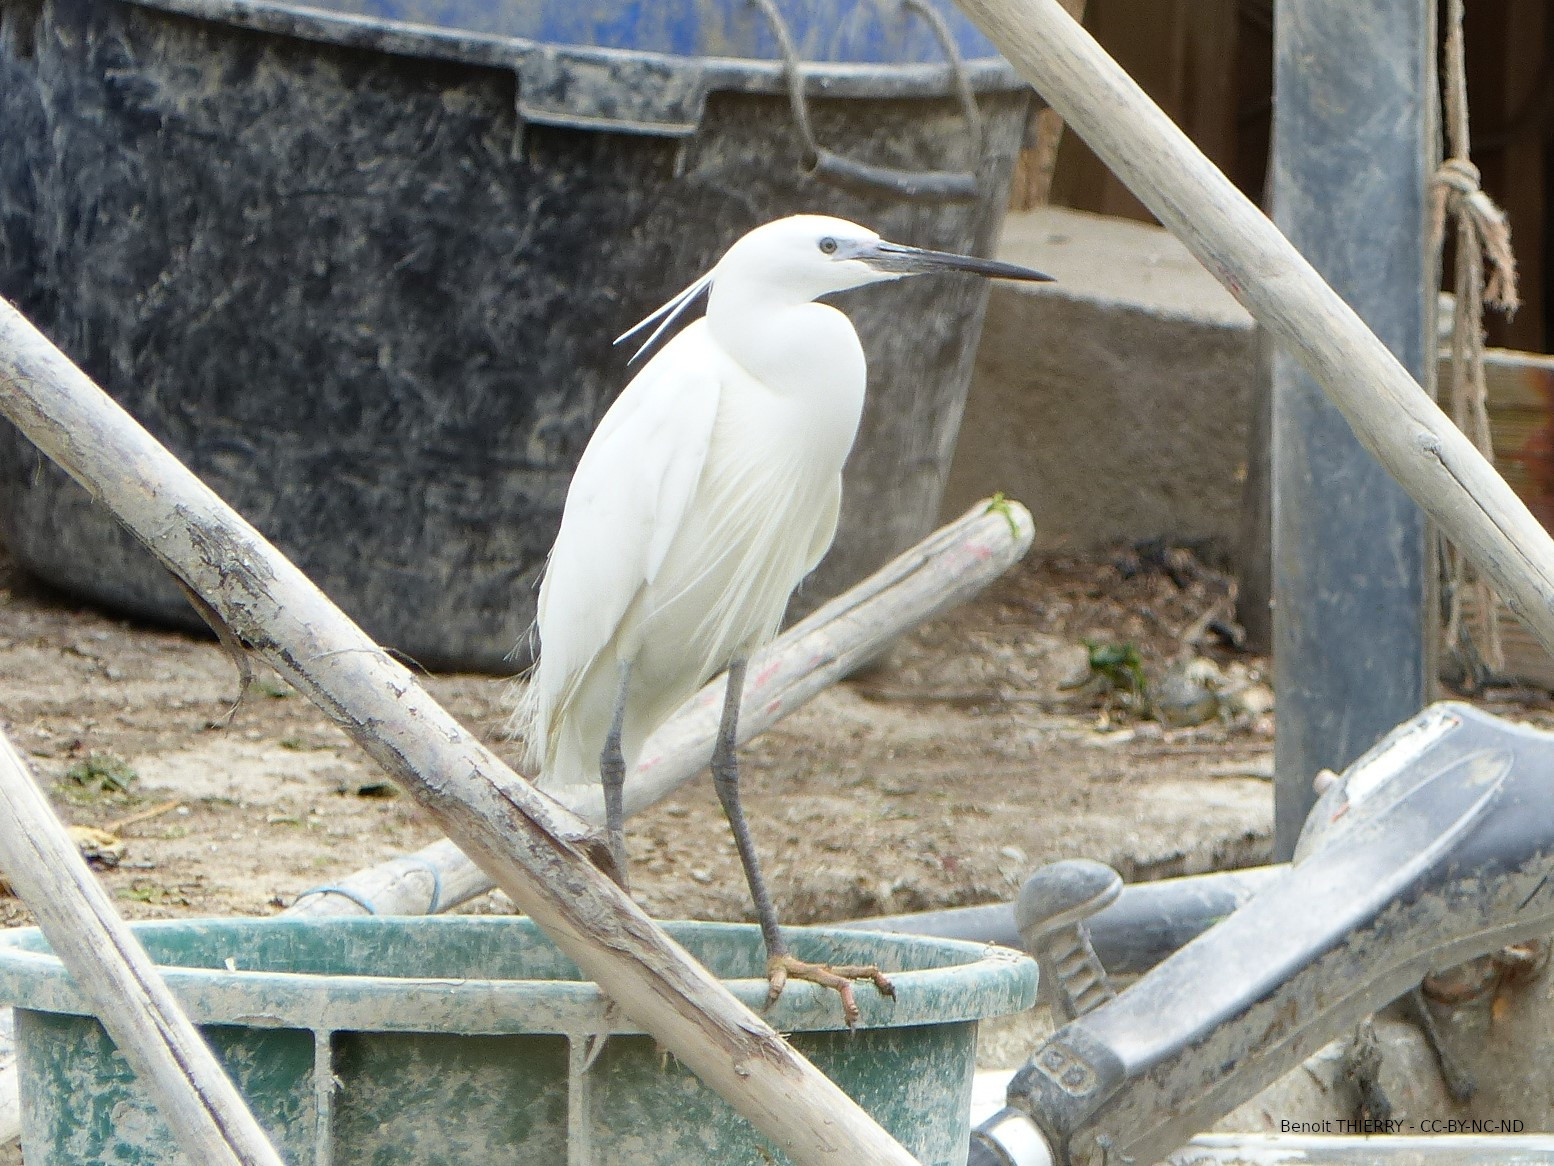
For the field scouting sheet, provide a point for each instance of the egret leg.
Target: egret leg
(612, 777)
(781, 966)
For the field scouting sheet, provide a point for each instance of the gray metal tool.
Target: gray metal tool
(1055, 904)
(1436, 846)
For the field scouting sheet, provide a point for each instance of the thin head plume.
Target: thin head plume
(670, 312)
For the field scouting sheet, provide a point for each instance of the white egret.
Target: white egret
(708, 492)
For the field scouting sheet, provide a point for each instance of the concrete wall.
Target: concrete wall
(1115, 402)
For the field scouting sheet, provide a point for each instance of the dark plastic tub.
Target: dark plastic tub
(362, 273)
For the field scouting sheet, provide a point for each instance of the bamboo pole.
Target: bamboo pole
(532, 847)
(173, 1063)
(952, 564)
(1391, 415)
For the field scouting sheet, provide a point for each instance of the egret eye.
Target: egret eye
(828, 246)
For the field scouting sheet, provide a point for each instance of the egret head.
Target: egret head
(803, 257)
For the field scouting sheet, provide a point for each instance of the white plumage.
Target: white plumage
(710, 489)
(708, 492)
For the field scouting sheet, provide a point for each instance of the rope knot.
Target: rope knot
(1459, 176)
(1482, 226)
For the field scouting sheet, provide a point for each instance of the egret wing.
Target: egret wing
(825, 526)
(627, 500)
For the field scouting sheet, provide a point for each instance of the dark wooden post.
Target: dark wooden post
(1355, 102)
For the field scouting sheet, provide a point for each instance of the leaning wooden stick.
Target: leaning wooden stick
(946, 568)
(1390, 414)
(119, 980)
(531, 846)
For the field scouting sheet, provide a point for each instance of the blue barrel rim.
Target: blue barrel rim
(981, 981)
(881, 33)
(630, 71)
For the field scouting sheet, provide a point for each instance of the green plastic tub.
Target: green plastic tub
(465, 1040)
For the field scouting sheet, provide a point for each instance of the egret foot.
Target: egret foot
(780, 966)
(838, 977)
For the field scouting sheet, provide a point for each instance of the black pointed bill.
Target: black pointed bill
(902, 260)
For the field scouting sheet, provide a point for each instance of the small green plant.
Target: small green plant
(999, 504)
(102, 773)
(1119, 664)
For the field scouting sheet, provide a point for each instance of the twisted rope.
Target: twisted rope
(1482, 234)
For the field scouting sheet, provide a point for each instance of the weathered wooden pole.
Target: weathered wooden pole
(1354, 132)
(175, 1066)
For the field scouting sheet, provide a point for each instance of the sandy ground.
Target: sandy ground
(939, 779)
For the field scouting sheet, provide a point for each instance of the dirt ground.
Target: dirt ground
(938, 779)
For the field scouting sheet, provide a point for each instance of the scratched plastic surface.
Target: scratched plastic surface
(459, 1041)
